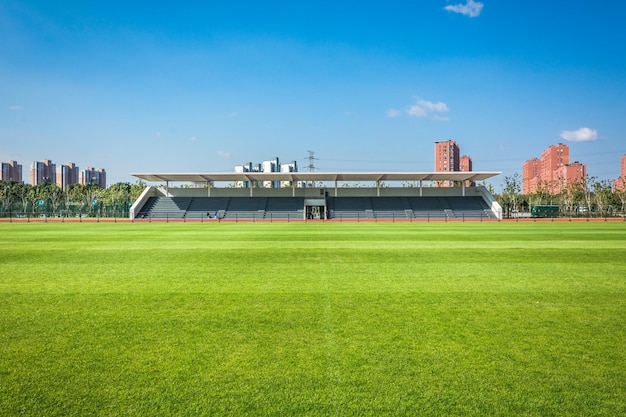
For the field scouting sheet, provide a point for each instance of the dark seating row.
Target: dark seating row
(348, 208)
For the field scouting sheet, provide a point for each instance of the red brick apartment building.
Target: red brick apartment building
(553, 172)
(531, 175)
(620, 183)
(448, 159)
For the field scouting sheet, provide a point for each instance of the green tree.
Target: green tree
(620, 192)
(511, 192)
(7, 191)
(77, 196)
(116, 197)
(136, 189)
(602, 191)
(586, 186)
(570, 195)
(25, 193)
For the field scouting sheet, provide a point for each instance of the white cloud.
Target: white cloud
(439, 118)
(16, 107)
(223, 155)
(584, 134)
(394, 113)
(471, 8)
(428, 110)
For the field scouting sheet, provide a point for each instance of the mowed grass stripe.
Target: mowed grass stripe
(199, 319)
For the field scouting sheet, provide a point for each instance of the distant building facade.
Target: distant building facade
(272, 165)
(47, 172)
(67, 175)
(620, 183)
(531, 176)
(93, 176)
(42, 172)
(291, 167)
(11, 171)
(448, 159)
(552, 173)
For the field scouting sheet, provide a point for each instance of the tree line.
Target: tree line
(77, 200)
(590, 197)
(587, 197)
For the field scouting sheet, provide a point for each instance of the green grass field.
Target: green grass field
(313, 319)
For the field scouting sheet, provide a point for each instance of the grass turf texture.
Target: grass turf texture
(313, 319)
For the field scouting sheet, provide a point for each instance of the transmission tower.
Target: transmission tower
(311, 158)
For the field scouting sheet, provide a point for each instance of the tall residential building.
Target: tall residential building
(290, 167)
(553, 172)
(568, 174)
(553, 158)
(93, 176)
(448, 159)
(531, 176)
(620, 183)
(11, 171)
(67, 175)
(41, 172)
(465, 164)
(249, 167)
(273, 165)
(447, 155)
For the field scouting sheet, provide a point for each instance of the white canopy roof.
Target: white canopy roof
(314, 176)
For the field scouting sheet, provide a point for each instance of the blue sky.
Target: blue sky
(368, 86)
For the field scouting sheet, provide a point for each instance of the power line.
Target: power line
(311, 158)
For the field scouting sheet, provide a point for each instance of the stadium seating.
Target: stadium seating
(284, 208)
(292, 208)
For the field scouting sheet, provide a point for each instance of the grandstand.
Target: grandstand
(327, 196)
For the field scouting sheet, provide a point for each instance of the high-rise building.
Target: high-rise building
(249, 167)
(568, 174)
(273, 165)
(553, 158)
(620, 183)
(67, 175)
(531, 175)
(42, 172)
(290, 167)
(465, 165)
(448, 159)
(11, 171)
(447, 155)
(93, 176)
(553, 172)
